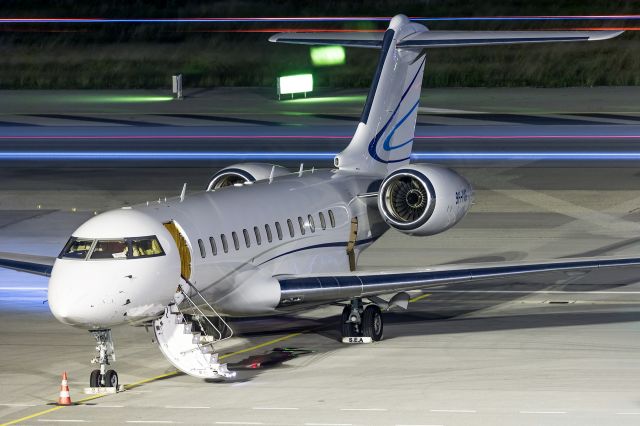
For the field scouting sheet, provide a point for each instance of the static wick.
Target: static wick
(184, 192)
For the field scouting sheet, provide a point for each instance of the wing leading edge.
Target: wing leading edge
(300, 290)
(39, 265)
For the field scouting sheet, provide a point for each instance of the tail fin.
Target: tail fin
(384, 137)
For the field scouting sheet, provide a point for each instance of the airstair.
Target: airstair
(187, 340)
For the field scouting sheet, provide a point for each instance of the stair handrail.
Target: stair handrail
(206, 302)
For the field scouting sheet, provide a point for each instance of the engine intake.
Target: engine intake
(239, 174)
(424, 199)
(408, 199)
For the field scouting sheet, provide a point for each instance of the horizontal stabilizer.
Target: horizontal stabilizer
(434, 39)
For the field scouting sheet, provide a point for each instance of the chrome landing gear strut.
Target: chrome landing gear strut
(105, 352)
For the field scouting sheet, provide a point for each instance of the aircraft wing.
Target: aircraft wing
(434, 39)
(39, 265)
(320, 289)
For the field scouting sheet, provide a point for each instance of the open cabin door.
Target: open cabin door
(351, 244)
(183, 249)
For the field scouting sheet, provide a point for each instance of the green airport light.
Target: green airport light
(291, 84)
(323, 56)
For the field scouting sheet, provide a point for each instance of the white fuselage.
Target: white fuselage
(236, 281)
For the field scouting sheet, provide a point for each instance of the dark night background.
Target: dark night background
(116, 55)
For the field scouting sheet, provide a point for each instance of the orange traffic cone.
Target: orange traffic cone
(64, 398)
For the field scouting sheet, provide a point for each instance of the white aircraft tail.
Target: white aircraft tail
(384, 138)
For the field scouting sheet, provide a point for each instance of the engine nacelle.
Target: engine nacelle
(243, 173)
(424, 199)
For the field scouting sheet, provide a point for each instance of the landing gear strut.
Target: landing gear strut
(105, 352)
(360, 321)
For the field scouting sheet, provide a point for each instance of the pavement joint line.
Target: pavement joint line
(363, 409)
(18, 405)
(192, 407)
(239, 423)
(629, 414)
(151, 379)
(274, 408)
(417, 298)
(328, 424)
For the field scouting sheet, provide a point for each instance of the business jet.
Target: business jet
(262, 240)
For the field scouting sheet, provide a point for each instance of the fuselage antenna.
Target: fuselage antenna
(301, 168)
(184, 191)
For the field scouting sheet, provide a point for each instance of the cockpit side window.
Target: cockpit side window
(76, 248)
(110, 249)
(145, 247)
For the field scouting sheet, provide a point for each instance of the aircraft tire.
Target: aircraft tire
(94, 379)
(372, 323)
(111, 379)
(347, 328)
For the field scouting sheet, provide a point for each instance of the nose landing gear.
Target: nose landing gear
(105, 352)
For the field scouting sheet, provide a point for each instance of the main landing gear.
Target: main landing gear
(105, 352)
(360, 321)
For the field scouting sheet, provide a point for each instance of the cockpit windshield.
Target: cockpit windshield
(125, 248)
(110, 249)
(77, 248)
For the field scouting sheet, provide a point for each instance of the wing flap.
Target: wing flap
(296, 290)
(39, 265)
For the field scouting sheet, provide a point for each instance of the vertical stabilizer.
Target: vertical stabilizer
(384, 137)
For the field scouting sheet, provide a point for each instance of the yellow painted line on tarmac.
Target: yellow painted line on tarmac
(417, 298)
(151, 379)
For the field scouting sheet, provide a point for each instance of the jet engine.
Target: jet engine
(244, 173)
(424, 199)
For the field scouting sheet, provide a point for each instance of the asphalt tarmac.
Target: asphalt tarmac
(509, 353)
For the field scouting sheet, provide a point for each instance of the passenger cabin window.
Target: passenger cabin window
(203, 252)
(225, 245)
(312, 224)
(236, 243)
(323, 224)
(267, 229)
(258, 236)
(76, 248)
(247, 240)
(110, 249)
(212, 243)
(332, 219)
(124, 248)
(301, 223)
(279, 230)
(291, 230)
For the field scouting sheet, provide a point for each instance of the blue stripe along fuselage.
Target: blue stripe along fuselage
(324, 245)
(374, 142)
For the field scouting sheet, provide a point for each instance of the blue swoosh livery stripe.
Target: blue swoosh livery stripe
(374, 142)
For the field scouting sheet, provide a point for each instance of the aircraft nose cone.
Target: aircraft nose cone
(60, 306)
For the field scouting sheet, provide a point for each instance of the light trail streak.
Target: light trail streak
(169, 155)
(32, 20)
(311, 137)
